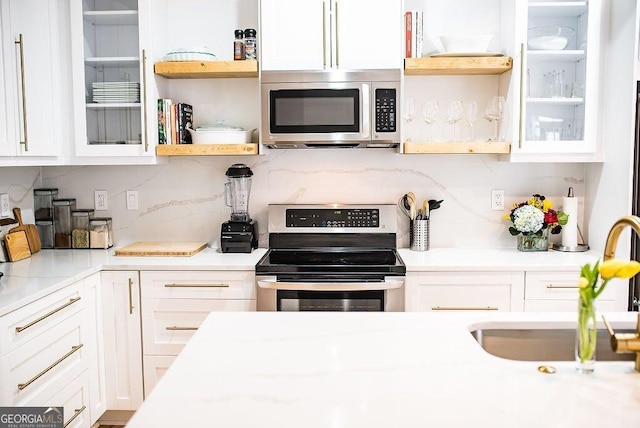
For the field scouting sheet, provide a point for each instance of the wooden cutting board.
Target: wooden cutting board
(33, 238)
(17, 245)
(161, 249)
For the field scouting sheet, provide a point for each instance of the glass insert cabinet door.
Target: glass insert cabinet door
(110, 78)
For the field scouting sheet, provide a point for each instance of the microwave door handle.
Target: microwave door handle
(367, 114)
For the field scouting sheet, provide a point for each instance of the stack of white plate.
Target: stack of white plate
(116, 92)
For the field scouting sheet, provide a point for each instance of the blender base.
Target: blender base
(239, 236)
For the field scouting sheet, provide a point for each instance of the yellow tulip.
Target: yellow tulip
(619, 269)
(629, 270)
(583, 282)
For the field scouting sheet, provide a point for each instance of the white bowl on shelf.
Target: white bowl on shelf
(466, 44)
(211, 134)
(550, 38)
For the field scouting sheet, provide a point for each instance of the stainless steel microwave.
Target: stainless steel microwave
(308, 109)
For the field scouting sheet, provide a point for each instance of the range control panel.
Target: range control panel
(333, 217)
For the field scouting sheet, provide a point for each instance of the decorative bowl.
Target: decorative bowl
(554, 38)
(466, 44)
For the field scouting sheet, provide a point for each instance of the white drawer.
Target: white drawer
(75, 400)
(155, 366)
(41, 367)
(560, 286)
(464, 297)
(199, 284)
(566, 306)
(29, 321)
(168, 324)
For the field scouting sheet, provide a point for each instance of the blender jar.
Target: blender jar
(237, 190)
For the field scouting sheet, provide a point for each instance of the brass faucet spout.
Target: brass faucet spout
(614, 233)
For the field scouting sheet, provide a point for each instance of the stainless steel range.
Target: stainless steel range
(331, 258)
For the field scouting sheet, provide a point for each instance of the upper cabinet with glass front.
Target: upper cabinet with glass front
(330, 34)
(114, 100)
(555, 85)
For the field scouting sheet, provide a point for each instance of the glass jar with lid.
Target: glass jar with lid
(43, 203)
(45, 231)
(80, 228)
(100, 232)
(62, 222)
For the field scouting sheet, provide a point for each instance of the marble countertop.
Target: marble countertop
(380, 370)
(50, 270)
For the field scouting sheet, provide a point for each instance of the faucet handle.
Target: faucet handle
(624, 342)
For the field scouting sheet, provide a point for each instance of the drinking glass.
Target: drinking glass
(493, 113)
(410, 110)
(471, 115)
(453, 115)
(430, 113)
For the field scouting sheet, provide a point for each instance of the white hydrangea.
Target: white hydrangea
(528, 218)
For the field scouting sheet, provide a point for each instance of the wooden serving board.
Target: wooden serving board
(17, 245)
(155, 249)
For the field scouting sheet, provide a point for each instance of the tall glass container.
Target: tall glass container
(62, 222)
(100, 232)
(80, 228)
(43, 203)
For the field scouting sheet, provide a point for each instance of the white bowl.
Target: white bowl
(220, 135)
(466, 44)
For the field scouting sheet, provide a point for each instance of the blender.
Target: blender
(239, 234)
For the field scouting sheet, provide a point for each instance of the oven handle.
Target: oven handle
(389, 283)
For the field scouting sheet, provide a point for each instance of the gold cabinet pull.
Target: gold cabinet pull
(561, 286)
(20, 43)
(176, 328)
(22, 386)
(464, 308)
(48, 314)
(337, 36)
(143, 100)
(75, 415)
(221, 285)
(130, 296)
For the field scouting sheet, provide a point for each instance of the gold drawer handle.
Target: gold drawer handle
(464, 308)
(222, 285)
(176, 328)
(22, 386)
(75, 415)
(561, 286)
(24, 327)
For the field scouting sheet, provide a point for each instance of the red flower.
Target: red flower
(551, 217)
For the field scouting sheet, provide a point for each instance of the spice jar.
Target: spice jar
(80, 228)
(45, 231)
(62, 222)
(250, 44)
(43, 203)
(100, 232)
(238, 45)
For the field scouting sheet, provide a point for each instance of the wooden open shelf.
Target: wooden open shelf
(206, 69)
(457, 65)
(411, 147)
(206, 149)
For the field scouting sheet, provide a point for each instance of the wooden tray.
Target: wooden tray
(155, 249)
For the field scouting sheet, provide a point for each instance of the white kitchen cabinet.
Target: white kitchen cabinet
(74, 398)
(122, 339)
(558, 292)
(464, 291)
(97, 390)
(330, 34)
(114, 95)
(174, 305)
(33, 117)
(556, 119)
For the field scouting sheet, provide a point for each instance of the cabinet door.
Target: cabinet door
(294, 35)
(97, 390)
(122, 339)
(155, 366)
(75, 400)
(368, 37)
(32, 55)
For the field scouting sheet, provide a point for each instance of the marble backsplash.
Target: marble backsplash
(184, 199)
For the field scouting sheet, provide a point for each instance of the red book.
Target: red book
(408, 34)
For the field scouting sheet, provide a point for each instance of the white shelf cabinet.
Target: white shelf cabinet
(111, 40)
(560, 126)
(330, 34)
(32, 115)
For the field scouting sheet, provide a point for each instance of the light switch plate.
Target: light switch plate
(132, 199)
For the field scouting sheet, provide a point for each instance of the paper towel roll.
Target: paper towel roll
(570, 230)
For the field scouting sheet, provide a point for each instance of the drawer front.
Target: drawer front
(42, 367)
(75, 400)
(155, 366)
(566, 306)
(168, 324)
(464, 298)
(23, 324)
(562, 286)
(199, 285)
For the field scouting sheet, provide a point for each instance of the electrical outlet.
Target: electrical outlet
(5, 208)
(497, 200)
(100, 200)
(132, 199)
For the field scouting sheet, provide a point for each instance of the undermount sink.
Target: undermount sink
(538, 344)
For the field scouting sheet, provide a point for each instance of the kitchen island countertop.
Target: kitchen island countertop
(380, 370)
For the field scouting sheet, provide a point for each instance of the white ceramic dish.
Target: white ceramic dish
(468, 54)
(220, 135)
(474, 44)
(196, 53)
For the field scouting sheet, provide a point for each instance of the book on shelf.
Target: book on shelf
(414, 33)
(173, 121)
(162, 121)
(184, 117)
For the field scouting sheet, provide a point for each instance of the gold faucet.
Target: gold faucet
(623, 342)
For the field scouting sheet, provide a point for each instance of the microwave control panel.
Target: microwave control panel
(385, 110)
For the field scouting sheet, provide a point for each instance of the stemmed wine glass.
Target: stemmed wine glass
(471, 115)
(493, 113)
(410, 110)
(430, 112)
(453, 115)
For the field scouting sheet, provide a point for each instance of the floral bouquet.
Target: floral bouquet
(533, 219)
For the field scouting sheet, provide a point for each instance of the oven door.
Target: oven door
(330, 113)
